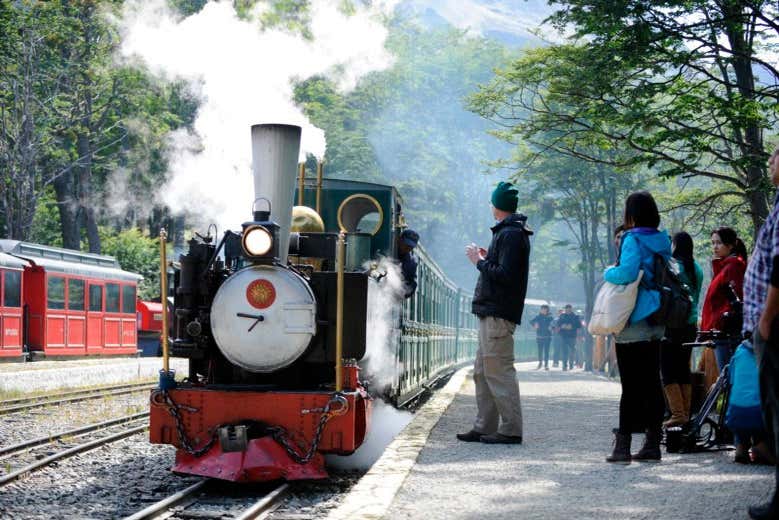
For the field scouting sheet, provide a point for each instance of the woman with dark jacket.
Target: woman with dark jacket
(727, 266)
(674, 356)
(641, 406)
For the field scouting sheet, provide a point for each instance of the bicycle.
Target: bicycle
(702, 432)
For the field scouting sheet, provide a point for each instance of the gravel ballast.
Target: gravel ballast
(559, 471)
(51, 375)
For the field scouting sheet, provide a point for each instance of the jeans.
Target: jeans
(543, 350)
(568, 350)
(767, 355)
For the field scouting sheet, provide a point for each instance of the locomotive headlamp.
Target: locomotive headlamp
(257, 241)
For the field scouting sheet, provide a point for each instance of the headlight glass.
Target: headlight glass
(257, 241)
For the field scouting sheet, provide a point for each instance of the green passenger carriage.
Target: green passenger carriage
(434, 330)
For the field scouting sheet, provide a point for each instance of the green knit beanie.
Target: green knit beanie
(504, 197)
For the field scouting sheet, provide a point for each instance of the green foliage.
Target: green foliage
(407, 126)
(654, 82)
(46, 228)
(138, 253)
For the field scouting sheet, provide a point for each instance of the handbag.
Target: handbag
(613, 306)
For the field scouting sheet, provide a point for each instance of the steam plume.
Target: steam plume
(244, 76)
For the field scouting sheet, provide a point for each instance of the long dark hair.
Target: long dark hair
(730, 238)
(683, 251)
(641, 208)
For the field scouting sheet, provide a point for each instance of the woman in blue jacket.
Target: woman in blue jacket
(641, 406)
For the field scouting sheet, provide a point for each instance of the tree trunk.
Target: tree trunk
(752, 150)
(68, 210)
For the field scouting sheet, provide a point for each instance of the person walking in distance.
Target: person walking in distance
(569, 324)
(498, 302)
(557, 342)
(542, 323)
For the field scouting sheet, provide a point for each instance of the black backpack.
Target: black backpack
(675, 299)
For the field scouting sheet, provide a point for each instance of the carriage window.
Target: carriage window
(95, 298)
(76, 295)
(56, 293)
(112, 297)
(128, 299)
(13, 289)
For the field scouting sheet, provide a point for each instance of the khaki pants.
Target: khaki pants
(497, 390)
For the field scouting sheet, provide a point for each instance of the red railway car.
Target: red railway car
(11, 309)
(75, 304)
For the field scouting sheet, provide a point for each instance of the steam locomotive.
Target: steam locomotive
(275, 322)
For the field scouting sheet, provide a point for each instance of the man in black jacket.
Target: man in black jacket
(498, 302)
(569, 324)
(542, 323)
(407, 241)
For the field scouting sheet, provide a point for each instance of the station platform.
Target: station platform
(558, 472)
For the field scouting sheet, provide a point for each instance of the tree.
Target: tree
(25, 58)
(656, 82)
(408, 126)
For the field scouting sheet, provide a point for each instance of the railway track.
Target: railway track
(21, 459)
(212, 499)
(28, 403)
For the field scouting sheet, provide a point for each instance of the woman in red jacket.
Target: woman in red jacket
(728, 266)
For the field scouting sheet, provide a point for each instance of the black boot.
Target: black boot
(650, 451)
(621, 453)
(766, 511)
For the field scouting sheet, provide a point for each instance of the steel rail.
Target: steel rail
(5, 451)
(84, 391)
(185, 497)
(75, 450)
(265, 503)
(165, 504)
(85, 397)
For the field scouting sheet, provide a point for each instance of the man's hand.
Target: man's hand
(474, 253)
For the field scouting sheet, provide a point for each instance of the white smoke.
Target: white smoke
(243, 76)
(384, 299)
(386, 423)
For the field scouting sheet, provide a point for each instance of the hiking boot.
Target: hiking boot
(650, 451)
(471, 436)
(761, 454)
(499, 438)
(767, 511)
(673, 393)
(621, 453)
(742, 454)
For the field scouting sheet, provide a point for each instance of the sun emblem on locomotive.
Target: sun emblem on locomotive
(260, 294)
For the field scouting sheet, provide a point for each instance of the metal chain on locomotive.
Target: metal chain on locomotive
(278, 433)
